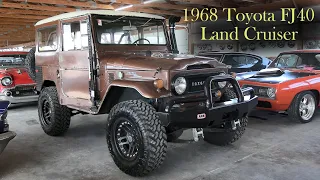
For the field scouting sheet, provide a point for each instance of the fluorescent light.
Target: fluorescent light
(123, 7)
(149, 1)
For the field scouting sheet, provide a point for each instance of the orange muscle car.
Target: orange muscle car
(291, 83)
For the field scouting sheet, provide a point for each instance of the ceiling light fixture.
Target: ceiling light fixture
(123, 7)
(149, 1)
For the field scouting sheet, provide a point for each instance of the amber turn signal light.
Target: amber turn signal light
(158, 83)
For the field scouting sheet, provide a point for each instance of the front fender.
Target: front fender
(145, 88)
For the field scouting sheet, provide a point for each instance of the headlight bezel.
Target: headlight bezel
(6, 77)
(174, 85)
(262, 91)
(274, 92)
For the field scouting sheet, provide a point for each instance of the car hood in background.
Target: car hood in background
(275, 75)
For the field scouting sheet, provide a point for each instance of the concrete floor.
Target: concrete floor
(272, 148)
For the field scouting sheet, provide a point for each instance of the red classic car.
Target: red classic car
(291, 83)
(16, 85)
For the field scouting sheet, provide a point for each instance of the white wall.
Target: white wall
(182, 40)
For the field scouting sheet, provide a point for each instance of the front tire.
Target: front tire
(136, 139)
(303, 107)
(54, 118)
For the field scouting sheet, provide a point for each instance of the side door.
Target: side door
(74, 59)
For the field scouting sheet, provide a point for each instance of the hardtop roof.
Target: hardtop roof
(97, 12)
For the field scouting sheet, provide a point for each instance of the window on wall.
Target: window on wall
(75, 36)
(47, 39)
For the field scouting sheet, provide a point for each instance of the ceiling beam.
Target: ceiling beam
(71, 3)
(154, 11)
(28, 17)
(122, 1)
(30, 12)
(213, 3)
(36, 7)
(163, 6)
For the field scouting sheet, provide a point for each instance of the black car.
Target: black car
(239, 62)
(5, 134)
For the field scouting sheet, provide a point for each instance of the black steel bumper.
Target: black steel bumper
(202, 111)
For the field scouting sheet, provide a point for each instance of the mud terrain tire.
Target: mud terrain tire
(30, 63)
(226, 136)
(54, 118)
(136, 139)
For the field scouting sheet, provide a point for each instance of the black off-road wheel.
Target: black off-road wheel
(173, 136)
(226, 135)
(30, 63)
(136, 139)
(54, 118)
(303, 107)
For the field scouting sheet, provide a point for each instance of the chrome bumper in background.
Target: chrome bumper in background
(20, 99)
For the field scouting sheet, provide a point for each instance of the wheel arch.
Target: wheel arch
(314, 91)
(117, 94)
(129, 90)
(47, 83)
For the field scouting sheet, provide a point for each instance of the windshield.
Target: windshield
(130, 30)
(12, 60)
(297, 60)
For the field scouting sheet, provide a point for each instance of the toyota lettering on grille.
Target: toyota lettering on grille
(197, 83)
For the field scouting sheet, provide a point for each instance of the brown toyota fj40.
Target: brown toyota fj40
(127, 65)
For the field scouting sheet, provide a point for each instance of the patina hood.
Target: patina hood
(165, 61)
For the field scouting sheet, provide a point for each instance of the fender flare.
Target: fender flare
(145, 88)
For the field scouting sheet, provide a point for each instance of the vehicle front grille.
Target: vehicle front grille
(27, 90)
(196, 82)
(257, 91)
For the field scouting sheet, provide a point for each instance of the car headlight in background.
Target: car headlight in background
(180, 85)
(271, 92)
(6, 81)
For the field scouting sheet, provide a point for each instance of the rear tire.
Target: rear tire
(136, 139)
(294, 112)
(54, 118)
(226, 136)
(30, 63)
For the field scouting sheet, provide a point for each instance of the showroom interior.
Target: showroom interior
(272, 117)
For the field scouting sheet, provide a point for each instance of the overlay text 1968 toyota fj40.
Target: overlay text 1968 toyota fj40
(127, 65)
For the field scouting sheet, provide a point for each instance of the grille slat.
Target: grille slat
(27, 90)
(196, 82)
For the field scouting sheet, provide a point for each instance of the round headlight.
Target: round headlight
(6, 81)
(223, 83)
(271, 92)
(180, 85)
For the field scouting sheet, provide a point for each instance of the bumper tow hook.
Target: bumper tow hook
(234, 124)
(197, 134)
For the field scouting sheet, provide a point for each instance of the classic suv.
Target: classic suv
(291, 83)
(5, 135)
(127, 64)
(16, 85)
(239, 62)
